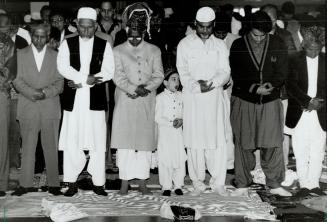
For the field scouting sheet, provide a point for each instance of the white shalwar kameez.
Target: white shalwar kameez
(206, 120)
(171, 152)
(308, 138)
(82, 128)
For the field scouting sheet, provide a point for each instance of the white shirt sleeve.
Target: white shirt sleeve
(108, 65)
(64, 67)
(183, 69)
(223, 73)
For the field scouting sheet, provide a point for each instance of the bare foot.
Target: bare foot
(221, 191)
(124, 187)
(143, 189)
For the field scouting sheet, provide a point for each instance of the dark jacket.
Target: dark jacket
(247, 74)
(297, 87)
(98, 100)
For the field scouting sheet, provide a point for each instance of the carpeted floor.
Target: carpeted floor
(209, 204)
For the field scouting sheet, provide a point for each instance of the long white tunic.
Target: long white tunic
(171, 152)
(83, 128)
(205, 119)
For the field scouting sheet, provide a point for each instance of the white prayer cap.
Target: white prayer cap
(205, 14)
(87, 13)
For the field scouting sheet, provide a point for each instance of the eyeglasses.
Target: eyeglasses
(132, 38)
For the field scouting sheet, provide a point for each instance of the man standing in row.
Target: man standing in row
(202, 62)
(259, 66)
(38, 110)
(138, 74)
(86, 61)
(6, 54)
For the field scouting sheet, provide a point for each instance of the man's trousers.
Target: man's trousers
(49, 138)
(216, 162)
(309, 142)
(4, 152)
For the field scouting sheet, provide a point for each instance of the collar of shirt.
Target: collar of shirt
(170, 93)
(38, 56)
(299, 35)
(62, 36)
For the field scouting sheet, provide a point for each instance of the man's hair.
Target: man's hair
(5, 16)
(57, 12)
(44, 8)
(288, 7)
(260, 20)
(157, 10)
(39, 25)
(270, 7)
(223, 22)
(113, 3)
(248, 9)
(55, 34)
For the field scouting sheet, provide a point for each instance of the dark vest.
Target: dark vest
(20, 42)
(98, 99)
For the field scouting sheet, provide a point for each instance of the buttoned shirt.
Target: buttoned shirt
(312, 64)
(169, 106)
(198, 60)
(38, 56)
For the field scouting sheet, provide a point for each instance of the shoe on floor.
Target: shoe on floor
(56, 191)
(280, 192)
(303, 192)
(19, 191)
(72, 190)
(2, 193)
(318, 191)
(99, 191)
(166, 193)
(179, 192)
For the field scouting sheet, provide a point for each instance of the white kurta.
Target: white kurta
(171, 152)
(205, 118)
(83, 128)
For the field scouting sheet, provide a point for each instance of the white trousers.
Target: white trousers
(169, 175)
(75, 160)
(308, 144)
(216, 162)
(133, 165)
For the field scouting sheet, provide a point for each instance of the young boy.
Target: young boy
(171, 153)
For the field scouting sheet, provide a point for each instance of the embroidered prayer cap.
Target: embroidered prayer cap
(311, 30)
(87, 13)
(205, 14)
(137, 16)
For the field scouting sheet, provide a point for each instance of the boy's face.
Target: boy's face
(173, 83)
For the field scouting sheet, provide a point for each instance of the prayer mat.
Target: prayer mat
(291, 209)
(135, 204)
